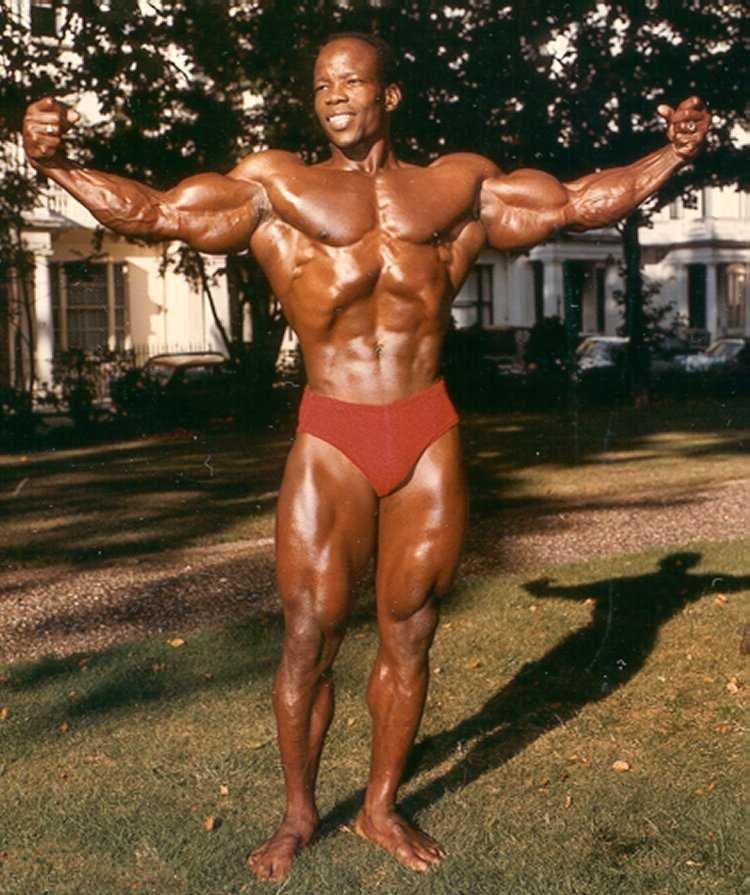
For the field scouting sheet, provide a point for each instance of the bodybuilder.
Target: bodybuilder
(365, 254)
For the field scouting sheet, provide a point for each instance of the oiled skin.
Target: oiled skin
(365, 254)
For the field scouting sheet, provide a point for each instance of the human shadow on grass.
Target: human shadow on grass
(584, 668)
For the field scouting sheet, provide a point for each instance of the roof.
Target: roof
(188, 359)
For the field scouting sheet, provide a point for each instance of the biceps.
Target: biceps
(523, 209)
(211, 213)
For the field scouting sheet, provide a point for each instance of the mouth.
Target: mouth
(340, 120)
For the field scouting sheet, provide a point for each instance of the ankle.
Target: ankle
(302, 819)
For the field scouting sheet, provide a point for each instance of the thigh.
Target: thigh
(325, 533)
(421, 531)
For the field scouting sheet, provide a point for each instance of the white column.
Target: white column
(44, 337)
(712, 302)
(220, 293)
(553, 289)
(111, 339)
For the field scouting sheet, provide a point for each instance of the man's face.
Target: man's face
(350, 101)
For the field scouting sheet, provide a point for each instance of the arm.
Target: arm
(527, 207)
(210, 212)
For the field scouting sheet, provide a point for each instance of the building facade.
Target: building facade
(696, 253)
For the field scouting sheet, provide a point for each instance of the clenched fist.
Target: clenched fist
(43, 126)
(687, 126)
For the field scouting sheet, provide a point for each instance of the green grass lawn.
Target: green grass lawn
(112, 762)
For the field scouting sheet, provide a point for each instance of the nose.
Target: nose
(337, 94)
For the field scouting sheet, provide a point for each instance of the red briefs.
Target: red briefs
(384, 441)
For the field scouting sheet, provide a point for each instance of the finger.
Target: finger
(72, 116)
(47, 104)
(43, 118)
(692, 102)
(665, 111)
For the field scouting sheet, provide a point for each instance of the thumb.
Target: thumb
(665, 111)
(72, 116)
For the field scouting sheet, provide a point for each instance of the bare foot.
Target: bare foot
(272, 861)
(408, 845)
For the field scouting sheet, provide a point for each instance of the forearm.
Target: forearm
(125, 206)
(602, 199)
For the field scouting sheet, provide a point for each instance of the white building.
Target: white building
(699, 257)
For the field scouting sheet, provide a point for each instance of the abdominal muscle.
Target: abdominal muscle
(370, 316)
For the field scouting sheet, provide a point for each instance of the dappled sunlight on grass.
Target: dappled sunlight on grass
(113, 760)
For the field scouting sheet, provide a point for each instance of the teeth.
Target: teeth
(339, 119)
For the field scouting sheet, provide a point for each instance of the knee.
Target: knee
(406, 642)
(311, 641)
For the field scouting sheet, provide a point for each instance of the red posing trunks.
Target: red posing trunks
(384, 441)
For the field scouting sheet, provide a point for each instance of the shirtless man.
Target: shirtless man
(365, 254)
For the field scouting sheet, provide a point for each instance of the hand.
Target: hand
(687, 126)
(43, 126)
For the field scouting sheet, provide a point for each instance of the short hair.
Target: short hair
(385, 54)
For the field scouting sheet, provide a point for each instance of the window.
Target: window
(697, 296)
(537, 269)
(43, 15)
(732, 285)
(88, 305)
(476, 297)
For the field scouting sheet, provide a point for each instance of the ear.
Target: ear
(391, 97)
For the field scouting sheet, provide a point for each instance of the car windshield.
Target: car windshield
(161, 373)
(599, 352)
(724, 350)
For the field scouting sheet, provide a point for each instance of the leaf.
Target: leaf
(474, 663)
(734, 685)
(4, 713)
(568, 801)
(211, 823)
(176, 642)
(620, 766)
(223, 790)
(721, 600)
(64, 727)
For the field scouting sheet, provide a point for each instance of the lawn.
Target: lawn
(112, 762)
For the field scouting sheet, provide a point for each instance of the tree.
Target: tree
(615, 63)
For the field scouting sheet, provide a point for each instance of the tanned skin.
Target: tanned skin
(365, 254)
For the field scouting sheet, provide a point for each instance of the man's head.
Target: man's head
(354, 89)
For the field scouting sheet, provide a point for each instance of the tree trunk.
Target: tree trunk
(637, 363)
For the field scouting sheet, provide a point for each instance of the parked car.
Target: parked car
(601, 362)
(183, 387)
(724, 365)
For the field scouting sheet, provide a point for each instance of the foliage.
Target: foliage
(81, 377)
(568, 88)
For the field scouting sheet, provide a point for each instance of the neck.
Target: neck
(365, 157)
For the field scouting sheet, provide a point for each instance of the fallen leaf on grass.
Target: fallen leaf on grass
(734, 685)
(64, 727)
(176, 642)
(721, 600)
(4, 713)
(532, 608)
(255, 744)
(474, 663)
(223, 790)
(211, 823)
(568, 801)
(695, 863)
(620, 766)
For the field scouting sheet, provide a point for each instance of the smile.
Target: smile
(340, 121)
